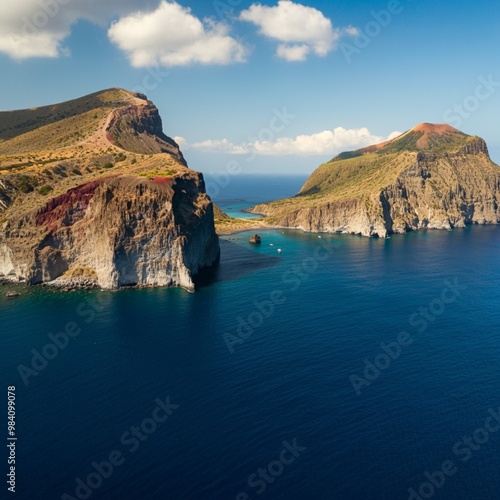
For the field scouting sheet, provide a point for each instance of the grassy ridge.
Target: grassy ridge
(46, 151)
(58, 134)
(343, 180)
(16, 123)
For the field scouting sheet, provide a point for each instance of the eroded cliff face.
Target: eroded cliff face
(357, 216)
(138, 128)
(116, 231)
(433, 191)
(444, 191)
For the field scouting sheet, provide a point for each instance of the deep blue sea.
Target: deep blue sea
(341, 368)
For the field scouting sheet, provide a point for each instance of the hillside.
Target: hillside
(44, 151)
(432, 176)
(99, 173)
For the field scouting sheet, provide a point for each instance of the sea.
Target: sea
(338, 368)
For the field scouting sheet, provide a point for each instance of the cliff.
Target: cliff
(431, 177)
(110, 202)
(138, 128)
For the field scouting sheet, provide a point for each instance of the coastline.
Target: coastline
(232, 226)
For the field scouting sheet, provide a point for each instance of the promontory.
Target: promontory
(430, 177)
(92, 191)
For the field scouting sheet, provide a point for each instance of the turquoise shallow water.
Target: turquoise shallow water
(236, 209)
(286, 378)
(235, 194)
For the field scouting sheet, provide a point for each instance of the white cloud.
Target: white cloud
(162, 33)
(351, 31)
(181, 141)
(35, 28)
(172, 36)
(293, 52)
(215, 146)
(26, 30)
(328, 142)
(299, 28)
(393, 135)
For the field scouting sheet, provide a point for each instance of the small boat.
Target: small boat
(271, 245)
(279, 250)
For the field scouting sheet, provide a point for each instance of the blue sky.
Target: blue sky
(275, 87)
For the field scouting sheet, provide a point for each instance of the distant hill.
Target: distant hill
(432, 176)
(423, 137)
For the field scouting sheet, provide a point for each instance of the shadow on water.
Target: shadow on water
(235, 262)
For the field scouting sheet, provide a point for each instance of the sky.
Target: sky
(264, 87)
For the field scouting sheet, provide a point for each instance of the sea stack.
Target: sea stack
(255, 239)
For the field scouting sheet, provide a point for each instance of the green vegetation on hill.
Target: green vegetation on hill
(353, 176)
(157, 173)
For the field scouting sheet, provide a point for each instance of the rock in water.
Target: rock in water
(255, 239)
(146, 221)
(11, 295)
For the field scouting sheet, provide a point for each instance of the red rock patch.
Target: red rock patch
(162, 180)
(66, 209)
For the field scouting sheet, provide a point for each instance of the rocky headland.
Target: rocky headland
(94, 194)
(431, 177)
